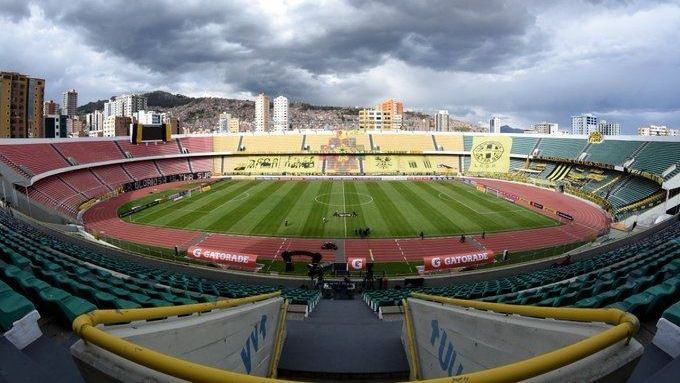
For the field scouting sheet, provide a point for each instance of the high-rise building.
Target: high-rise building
(21, 106)
(51, 108)
(55, 126)
(495, 125)
(280, 115)
(441, 123)
(94, 121)
(69, 103)
(234, 125)
(656, 130)
(223, 122)
(375, 119)
(125, 105)
(396, 111)
(115, 126)
(262, 113)
(148, 117)
(546, 128)
(583, 124)
(609, 128)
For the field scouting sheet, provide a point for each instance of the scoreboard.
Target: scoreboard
(150, 132)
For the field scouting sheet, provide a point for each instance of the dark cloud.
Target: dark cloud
(14, 9)
(528, 60)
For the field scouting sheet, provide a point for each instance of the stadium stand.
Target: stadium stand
(630, 190)
(111, 175)
(656, 157)
(285, 143)
(561, 148)
(467, 144)
(202, 164)
(226, 143)
(173, 166)
(450, 142)
(317, 141)
(66, 279)
(197, 144)
(89, 151)
(84, 182)
(155, 148)
(611, 151)
(142, 169)
(523, 145)
(32, 159)
(403, 142)
(612, 278)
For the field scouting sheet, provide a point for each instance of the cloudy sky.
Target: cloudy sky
(525, 61)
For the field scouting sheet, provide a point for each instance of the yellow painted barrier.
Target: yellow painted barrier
(625, 326)
(278, 342)
(411, 343)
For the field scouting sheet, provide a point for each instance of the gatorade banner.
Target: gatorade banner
(435, 263)
(231, 259)
(490, 154)
(356, 264)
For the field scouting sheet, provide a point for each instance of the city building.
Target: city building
(234, 125)
(262, 113)
(280, 115)
(51, 108)
(441, 123)
(584, 124)
(55, 126)
(656, 130)
(609, 128)
(396, 111)
(223, 122)
(21, 106)
(94, 121)
(546, 128)
(495, 125)
(116, 126)
(175, 124)
(74, 126)
(125, 105)
(69, 103)
(375, 119)
(148, 117)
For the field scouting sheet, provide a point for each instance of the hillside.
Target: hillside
(201, 114)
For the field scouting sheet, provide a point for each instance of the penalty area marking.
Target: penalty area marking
(343, 205)
(446, 197)
(239, 197)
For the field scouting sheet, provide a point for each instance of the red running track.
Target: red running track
(589, 221)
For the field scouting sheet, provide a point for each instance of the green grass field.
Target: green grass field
(389, 208)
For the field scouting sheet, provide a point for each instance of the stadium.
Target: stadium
(318, 255)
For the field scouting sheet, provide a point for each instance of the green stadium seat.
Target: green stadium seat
(13, 306)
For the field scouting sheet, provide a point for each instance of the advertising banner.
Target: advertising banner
(231, 259)
(435, 263)
(356, 264)
(537, 205)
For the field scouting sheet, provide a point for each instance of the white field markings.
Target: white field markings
(402, 252)
(344, 219)
(441, 195)
(370, 252)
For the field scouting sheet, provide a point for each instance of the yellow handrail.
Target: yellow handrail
(85, 327)
(625, 326)
(411, 343)
(278, 341)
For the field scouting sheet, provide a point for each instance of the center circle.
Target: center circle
(324, 199)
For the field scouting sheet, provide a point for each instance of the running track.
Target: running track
(589, 221)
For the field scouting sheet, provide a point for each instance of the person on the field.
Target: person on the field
(323, 219)
(286, 222)
(462, 238)
(483, 234)
(422, 235)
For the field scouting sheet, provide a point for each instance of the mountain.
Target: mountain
(201, 114)
(509, 129)
(91, 107)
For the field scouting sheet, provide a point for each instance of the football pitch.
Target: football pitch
(308, 209)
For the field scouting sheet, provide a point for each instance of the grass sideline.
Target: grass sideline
(390, 208)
